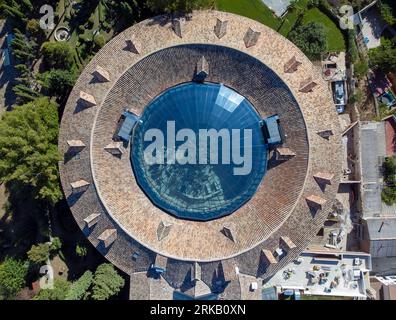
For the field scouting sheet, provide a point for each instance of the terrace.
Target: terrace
(321, 273)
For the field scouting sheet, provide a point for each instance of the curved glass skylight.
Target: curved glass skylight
(187, 173)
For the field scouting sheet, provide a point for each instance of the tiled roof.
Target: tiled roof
(279, 207)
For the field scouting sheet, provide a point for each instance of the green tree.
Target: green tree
(361, 69)
(310, 38)
(383, 57)
(389, 191)
(25, 50)
(81, 250)
(12, 278)
(58, 55)
(386, 12)
(25, 94)
(13, 11)
(56, 245)
(106, 283)
(28, 148)
(61, 288)
(58, 82)
(352, 52)
(33, 27)
(357, 97)
(99, 40)
(79, 289)
(39, 253)
(179, 5)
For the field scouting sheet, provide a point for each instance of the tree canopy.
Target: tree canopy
(178, 5)
(389, 191)
(28, 148)
(12, 278)
(61, 287)
(383, 57)
(106, 283)
(58, 82)
(58, 55)
(310, 38)
(39, 253)
(79, 289)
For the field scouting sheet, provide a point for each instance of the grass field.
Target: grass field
(253, 9)
(256, 10)
(335, 39)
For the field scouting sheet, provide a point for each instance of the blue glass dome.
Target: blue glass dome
(197, 190)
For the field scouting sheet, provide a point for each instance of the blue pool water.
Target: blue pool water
(199, 191)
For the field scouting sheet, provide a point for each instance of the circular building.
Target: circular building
(204, 149)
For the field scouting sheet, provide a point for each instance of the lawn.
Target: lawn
(335, 38)
(257, 10)
(253, 9)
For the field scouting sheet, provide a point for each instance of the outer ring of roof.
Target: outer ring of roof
(155, 34)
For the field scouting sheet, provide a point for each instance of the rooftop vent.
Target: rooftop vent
(324, 177)
(202, 69)
(325, 134)
(132, 46)
(220, 28)
(287, 243)
(108, 237)
(251, 38)
(87, 99)
(269, 256)
(163, 230)
(76, 145)
(284, 154)
(196, 272)
(79, 186)
(92, 219)
(177, 26)
(115, 148)
(307, 85)
(159, 266)
(316, 201)
(292, 65)
(101, 74)
(228, 233)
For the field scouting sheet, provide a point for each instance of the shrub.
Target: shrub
(12, 278)
(58, 55)
(361, 69)
(79, 289)
(39, 253)
(310, 38)
(107, 282)
(99, 40)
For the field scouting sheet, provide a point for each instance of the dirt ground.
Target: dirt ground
(367, 106)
